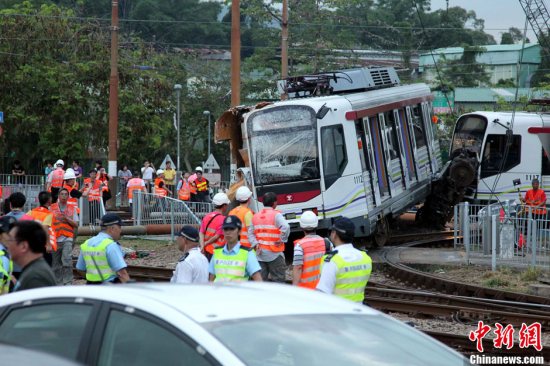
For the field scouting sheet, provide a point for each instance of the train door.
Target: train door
(422, 159)
(405, 147)
(376, 138)
(365, 154)
(430, 137)
(393, 154)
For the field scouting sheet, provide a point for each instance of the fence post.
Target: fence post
(534, 243)
(455, 225)
(172, 220)
(81, 216)
(494, 243)
(137, 206)
(466, 230)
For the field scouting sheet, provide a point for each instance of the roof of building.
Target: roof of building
(482, 95)
(505, 54)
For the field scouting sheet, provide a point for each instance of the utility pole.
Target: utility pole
(284, 45)
(235, 53)
(113, 102)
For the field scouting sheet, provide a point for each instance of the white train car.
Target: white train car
(366, 150)
(488, 134)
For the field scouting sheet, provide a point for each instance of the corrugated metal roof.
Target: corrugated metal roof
(495, 54)
(489, 48)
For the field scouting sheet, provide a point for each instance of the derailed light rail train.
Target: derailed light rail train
(508, 146)
(352, 143)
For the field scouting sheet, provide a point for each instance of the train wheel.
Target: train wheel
(382, 234)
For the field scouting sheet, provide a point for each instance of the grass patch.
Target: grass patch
(496, 282)
(531, 274)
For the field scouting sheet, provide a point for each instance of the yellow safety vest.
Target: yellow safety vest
(230, 267)
(95, 258)
(6, 274)
(351, 277)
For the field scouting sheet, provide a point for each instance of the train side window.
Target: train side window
(493, 155)
(418, 126)
(391, 134)
(334, 153)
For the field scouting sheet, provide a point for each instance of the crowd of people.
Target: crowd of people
(36, 248)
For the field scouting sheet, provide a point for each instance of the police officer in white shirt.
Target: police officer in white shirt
(193, 266)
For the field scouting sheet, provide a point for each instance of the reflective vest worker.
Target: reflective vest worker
(233, 263)
(101, 259)
(159, 178)
(184, 188)
(65, 221)
(211, 234)
(54, 182)
(43, 215)
(245, 214)
(271, 231)
(308, 253)
(346, 270)
(71, 185)
(160, 190)
(6, 264)
(135, 184)
(92, 187)
(535, 199)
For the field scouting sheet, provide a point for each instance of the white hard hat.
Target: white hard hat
(309, 220)
(198, 169)
(243, 194)
(220, 199)
(69, 174)
(60, 162)
(160, 171)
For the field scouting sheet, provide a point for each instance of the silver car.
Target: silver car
(230, 324)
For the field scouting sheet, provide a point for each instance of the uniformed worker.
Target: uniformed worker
(346, 270)
(101, 259)
(308, 253)
(535, 200)
(233, 262)
(193, 265)
(6, 264)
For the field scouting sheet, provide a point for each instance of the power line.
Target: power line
(245, 23)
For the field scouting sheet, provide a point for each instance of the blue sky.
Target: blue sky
(499, 15)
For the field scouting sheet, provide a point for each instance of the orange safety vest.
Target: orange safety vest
(184, 192)
(314, 250)
(210, 231)
(534, 198)
(62, 228)
(94, 192)
(157, 182)
(40, 214)
(103, 179)
(57, 178)
(240, 212)
(134, 184)
(161, 192)
(202, 185)
(73, 201)
(267, 234)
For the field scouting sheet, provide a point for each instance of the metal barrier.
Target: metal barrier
(150, 209)
(90, 212)
(34, 180)
(509, 234)
(30, 192)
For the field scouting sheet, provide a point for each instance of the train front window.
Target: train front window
(283, 145)
(469, 133)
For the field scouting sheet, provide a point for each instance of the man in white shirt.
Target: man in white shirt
(193, 266)
(147, 174)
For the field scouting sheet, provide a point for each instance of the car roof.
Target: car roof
(208, 302)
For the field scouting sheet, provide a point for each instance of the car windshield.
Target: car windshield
(329, 339)
(283, 145)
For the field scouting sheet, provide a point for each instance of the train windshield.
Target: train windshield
(469, 132)
(283, 145)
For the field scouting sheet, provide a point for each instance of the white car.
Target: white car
(230, 324)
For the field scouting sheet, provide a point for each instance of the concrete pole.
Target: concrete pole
(235, 53)
(113, 103)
